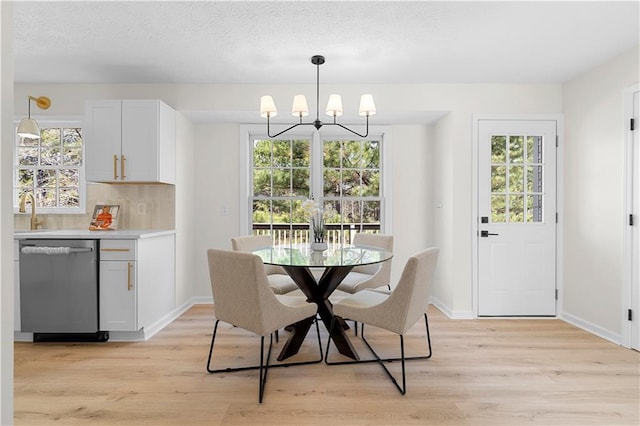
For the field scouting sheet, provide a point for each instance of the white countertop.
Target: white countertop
(124, 234)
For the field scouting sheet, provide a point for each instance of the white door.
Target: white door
(516, 218)
(635, 250)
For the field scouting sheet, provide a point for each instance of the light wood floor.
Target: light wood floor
(483, 372)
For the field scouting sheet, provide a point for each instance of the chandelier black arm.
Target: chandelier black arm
(317, 124)
(348, 129)
(285, 130)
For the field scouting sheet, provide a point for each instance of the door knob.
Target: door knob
(486, 233)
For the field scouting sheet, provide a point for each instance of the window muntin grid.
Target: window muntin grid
(517, 175)
(51, 168)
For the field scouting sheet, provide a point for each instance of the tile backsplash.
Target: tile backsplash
(141, 207)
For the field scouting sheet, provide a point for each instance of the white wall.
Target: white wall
(217, 186)
(6, 214)
(453, 183)
(185, 214)
(411, 191)
(593, 187)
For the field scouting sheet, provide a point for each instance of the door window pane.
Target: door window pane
(516, 149)
(498, 178)
(498, 208)
(534, 149)
(516, 208)
(516, 178)
(534, 208)
(498, 149)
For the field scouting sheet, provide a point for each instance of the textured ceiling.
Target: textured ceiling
(271, 42)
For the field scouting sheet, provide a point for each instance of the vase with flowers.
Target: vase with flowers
(318, 228)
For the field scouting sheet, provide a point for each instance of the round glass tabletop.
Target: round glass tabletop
(335, 255)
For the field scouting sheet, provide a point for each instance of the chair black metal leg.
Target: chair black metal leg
(255, 367)
(213, 339)
(263, 376)
(402, 389)
(426, 326)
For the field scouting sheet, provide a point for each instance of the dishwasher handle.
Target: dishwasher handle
(54, 250)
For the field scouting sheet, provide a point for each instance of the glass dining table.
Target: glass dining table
(298, 260)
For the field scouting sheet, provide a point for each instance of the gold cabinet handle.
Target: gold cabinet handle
(114, 249)
(129, 285)
(122, 159)
(115, 167)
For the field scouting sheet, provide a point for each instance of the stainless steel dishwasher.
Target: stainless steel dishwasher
(59, 290)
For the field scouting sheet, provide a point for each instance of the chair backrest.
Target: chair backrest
(375, 240)
(253, 242)
(250, 242)
(241, 292)
(410, 297)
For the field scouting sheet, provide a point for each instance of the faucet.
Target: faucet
(34, 220)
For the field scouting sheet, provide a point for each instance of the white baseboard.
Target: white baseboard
(451, 314)
(202, 300)
(571, 319)
(591, 328)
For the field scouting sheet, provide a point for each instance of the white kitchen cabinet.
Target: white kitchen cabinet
(118, 286)
(129, 141)
(137, 282)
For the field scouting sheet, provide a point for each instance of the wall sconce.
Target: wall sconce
(28, 127)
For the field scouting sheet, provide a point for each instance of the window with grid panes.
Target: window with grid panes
(344, 177)
(351, 184)
(516, 179)
(51, 168)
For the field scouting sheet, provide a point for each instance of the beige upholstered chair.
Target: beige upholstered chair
(395, 312)
(369, 276)
(280, 282)
(242, 297)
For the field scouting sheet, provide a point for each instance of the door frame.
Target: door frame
(627, 231)
(475, 219)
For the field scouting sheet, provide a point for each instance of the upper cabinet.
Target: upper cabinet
(130, 141)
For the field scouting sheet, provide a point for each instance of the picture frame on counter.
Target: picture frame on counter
(105, 217)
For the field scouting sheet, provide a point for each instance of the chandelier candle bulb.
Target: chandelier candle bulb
(367, 106)
(299, 108)
(334, 106)
(267, 107)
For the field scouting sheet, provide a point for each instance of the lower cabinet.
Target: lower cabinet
(118, 287)
(137, 282)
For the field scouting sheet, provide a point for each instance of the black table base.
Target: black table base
(318, 292)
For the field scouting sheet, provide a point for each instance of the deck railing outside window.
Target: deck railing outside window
(298, 233)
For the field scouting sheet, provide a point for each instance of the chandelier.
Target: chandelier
(300, 108)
